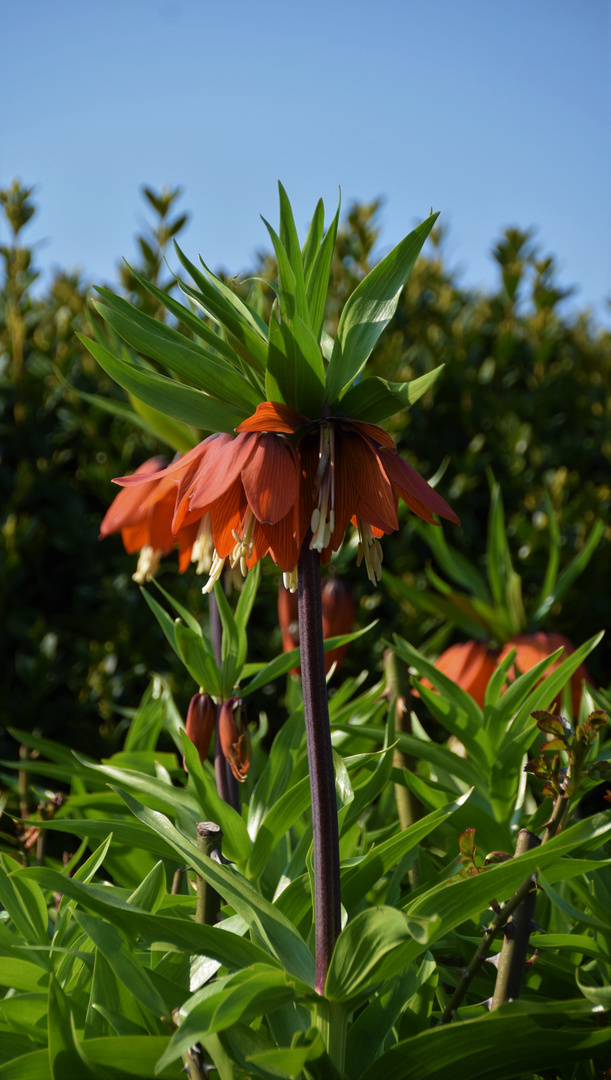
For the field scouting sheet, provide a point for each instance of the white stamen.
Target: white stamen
(215, 572)
(289, 579)
(148, 564)
(203, 548)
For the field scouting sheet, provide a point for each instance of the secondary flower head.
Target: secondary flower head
(247, 486)
(143, 515)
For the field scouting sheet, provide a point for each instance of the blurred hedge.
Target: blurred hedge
(525, 393)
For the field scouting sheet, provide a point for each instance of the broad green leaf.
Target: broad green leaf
(264, 919)
(282, 815)
(189, 319)
(290, 242)
(19, 974)
(184, 403)
(66, 1057)
(33, 1066)
(360, 948)
(579, 562)
(239, 997)
(151, 892)
(129, 1056)
(114, 946)
(366, 1034)
(295, 370)
(182, 611)
(516, 1039)
(197, 659)
(456, 565)
(599, 995)
(375, 399)
(452, 705)
(179, 437)
(357, 880)
(20, 908)
(193, 362)
(184, 934)
(369, 310)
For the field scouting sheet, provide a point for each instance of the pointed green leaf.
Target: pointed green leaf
(184, 403)
(312, 242)
(244, 333)
(375, 399)
(317, 281)
(155, 340)
(369, 310)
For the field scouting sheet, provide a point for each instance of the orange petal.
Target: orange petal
(281, 542)
(271, 478)
(226, 515)
(129, 506)
(373, 432)
(414, 490)
(273, 416)
(176, 469)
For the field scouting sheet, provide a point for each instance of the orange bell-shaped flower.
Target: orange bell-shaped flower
(531, 648)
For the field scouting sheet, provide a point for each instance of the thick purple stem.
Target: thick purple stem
(327, 911)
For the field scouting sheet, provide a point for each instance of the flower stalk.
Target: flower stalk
(327, 912)
(512, 958)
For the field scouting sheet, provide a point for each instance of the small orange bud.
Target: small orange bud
(201, 720)
(234, 739)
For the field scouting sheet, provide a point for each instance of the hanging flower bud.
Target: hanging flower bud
(234, 737)
(337, 616)
(201, 720)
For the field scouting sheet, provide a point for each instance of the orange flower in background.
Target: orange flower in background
(469, 664)
(350, 472)
(337, 618)
(143, 515)
(531, 648)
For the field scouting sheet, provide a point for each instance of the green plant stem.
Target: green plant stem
(407, 806)
(483, 948)
(512, 958)
(331, 1019)
(558, 819)
(209, 839)
(327, 912)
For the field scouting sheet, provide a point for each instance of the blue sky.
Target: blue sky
(494, 114)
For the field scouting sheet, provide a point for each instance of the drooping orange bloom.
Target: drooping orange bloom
(469, 664)
(263, 494)
(350, 472)
(531, 648)
(249, 486)
(143, 516)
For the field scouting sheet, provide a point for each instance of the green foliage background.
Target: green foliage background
(524, 393)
